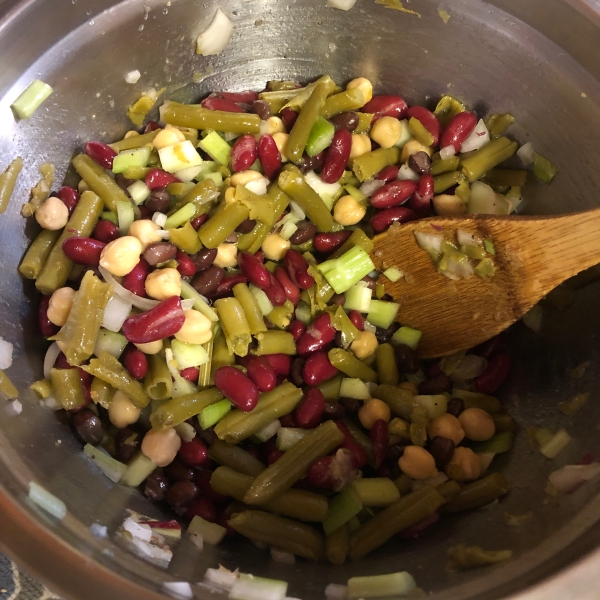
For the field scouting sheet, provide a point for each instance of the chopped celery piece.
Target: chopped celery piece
(211, 532)
(264, 303)
(341, 509)
(189, 355)
(543, 435)
(207, 166)
(556, 444)
(358, 297)
(49, 502)
(435, 405)
(111, 467)
(485, 268)
(320, 137)
(489, 246)
(217, 178)
(381, 586)
(186, 213)
(249, 587)
(354, 388)
(343, 272)
(499, 443)
(137, 470)
(108, 215)
(200, 304)
(125, 216)
(216, 147)
(407, 336)
(139, 192)
(212, 414)
(393, 274)
(137, 157)
(179, 156)
(544, 170)
(31, 99)
(326, 191)
(288, 437)
(111, 342)
(382, 313)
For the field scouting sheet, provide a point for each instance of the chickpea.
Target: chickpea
(361, 144)
(122, 411)
(121, 255)
(373, 410)
(364, 344)
(478, 424)
(417, 463)
(197, 329)
(60, 305)
(386, 131)
(145, 230)
(412, 147)
(464, 465)
(230, 196)
(150, 347)
(52, 214)
(409, 385)
(131, 133)
(449, 205)
(275, 125)
(226, 255)
(347, 211)
(275, 246)
(163, 283)
(280, 140)
(447, 426)
(169, 136)
(365, 86)
(244, 177)
(161, 447)
(82, 186)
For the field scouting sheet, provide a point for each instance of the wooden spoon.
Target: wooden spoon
(533, 256)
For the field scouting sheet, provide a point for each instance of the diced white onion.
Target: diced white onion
(457, 269)
(137, 301)
(216, 36)
(178, 588)
(159, 218)
(268, 431)
(526, 154)
(188, 174)
(142, 532)
(51, 403)
(132, 76)
(165, 235)
(115, 313)
(431, 242)
(484, 201)
(185, 431)
(258, 186)
(569, 476)
(99, 531)
(447, 152)
(6, 352)
(533, 318)
(189, 303)
(341, 4)
(49, 502)
(297, 211)
(50, 358)
(369, 327)
(467, 239)
(221, 578)
(283, 557)
(318, 185)
(405, 172)
(14, 408)
(335, 591)
(469, 367)
(478, 138)
(197, 540)
(369, 187)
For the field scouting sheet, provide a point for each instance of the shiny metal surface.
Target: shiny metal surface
(548, 80)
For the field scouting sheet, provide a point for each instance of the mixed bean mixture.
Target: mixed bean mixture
(220, 337)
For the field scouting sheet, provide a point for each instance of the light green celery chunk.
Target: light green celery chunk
(342, 508)
(407, 336)
(31, 99)
(212, 414)
(381, 586)
(343, 272)
(216, 147)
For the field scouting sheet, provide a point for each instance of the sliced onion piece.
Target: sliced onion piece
(341, 4)
(297, 211)
(189, 303)
(283, 557)
(50, 358)
(405, 172)
(447, 152)
(526, 153)
(258, 186)
(141, 303)
(6, 352)
(484, 201)
(470, 366)
(159, 218)
(115, 313)
(369, 187)
(181, 589)
(478, 138)
(216, 36)
(569, 476)
(457, 269)
(430, 242)
(468, 239)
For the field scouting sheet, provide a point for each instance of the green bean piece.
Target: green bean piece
(135, 141)
(235, 325)
(8, 180)
(337, 545)
(101, 392)
(340, 322)
(281, 316)
(400, 400)
(43, 388)
(449, 489)
(158, 383)
(260, 208)
(238, 425)
(446, 180)
(444, 165)
(193, 115)
(206, 368)
(297, 504)
(109, 369)
(57, 267)
(348, 100)
(387, 367)
(420, 132)
(177, 410)
(331, 388)
(490, 404)
(400, 428)
(275, 342)
(221, 225)
(357, 238)
(235, 458)
(185, 238)
(418, 426)
(292, 182)
(221, 355)
(291, 536)
(99, 181)
(80, 332)
(36, 256)
(41, 190)
(497, 124)
(364, 122)
(369, 164)
(447, 108)
(68, 389)
(250, 307)
(486, 158)
(7, 387)
(293, 465)
(359, 436)
(479, 493)
(505, 178)
(403, 483)
(201, 196)
(383, 526)
(347, 363)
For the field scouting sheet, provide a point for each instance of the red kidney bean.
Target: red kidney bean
(157, 178)
(47, 328)
(275, 292)
(384, 218)
(227, 284)
(458, 130)
(164, 320)
(414, 531)
(357, 319)
(310, 410)
(243, 153)
(260, 371)
(202, 480)
(346, 120)
(292, 291)
(177, 471)
(198, 221)
(152, 126)
(135, 280)
(193, 453)
(69, 197)
(237, 387)
(379, 437)
(261, 108)
(190, 373)
(337, 156)
(281, 363)
(61, 362)
(274, 455)
(320, 473)
(224, 104)
(105, 231)
(203, 508)
(207, 281)
(318, 369)
(246, 97)
(420, 201)
(317, 335)
(491, 346)
(327, 243)
(144, 212)
(394, 193)
(494, 374)
(83, 250)
(388, 173)
(434, 369)
(435, 385)
(311, 163)
(269, 155)
(100, 153)
(288, 420)
(223, 521)
(204, 258)
(296, 371)
(359, 458)
(427, 119)
(386, 106)
(297, 328)
(288, 116)
(185, 265)
(135, 361)
(260, 255)
(254, 271)
(297, 268)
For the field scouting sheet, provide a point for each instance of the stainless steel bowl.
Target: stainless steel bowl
(538, 59)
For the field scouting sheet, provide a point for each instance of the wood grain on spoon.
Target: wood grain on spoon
(533, 256)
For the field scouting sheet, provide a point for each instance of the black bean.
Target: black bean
(441, 449)
(352, 405)
(310, 163)
(182, 493)
(159, 252)
(346, 120)
(177, 471)
(158, 201)
(204, 258)
(88, 426)
(338, 299)
(261, 108)
(435, 385)
(383, 335)
(419, 162)
(407, 359)
(455, 406)
(127, 443)
(338, 340)
(156, 486)
(395, 451)
(333, 410)
(123, 182)
(306, 231)
(370, 282)
(208, 280)
(246, 226)
(296, 371)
